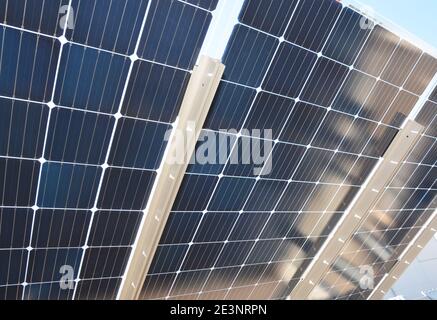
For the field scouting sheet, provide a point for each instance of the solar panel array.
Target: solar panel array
(85, 103)
(335, 94)
(87, 91)
(406, 204)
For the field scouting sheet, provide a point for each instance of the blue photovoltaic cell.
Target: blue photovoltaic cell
(47, 291)
(247, 56)
(268, 112)
(324, 82)
(230, 106)
(289, 71)
(194, 193)
(180, 227)
(302, 123)
(27, 15)
(304, 31)
(44, 264)
(212, 150)
(60, 228)
(162, 264)
(90, 79)
(422, 74)
(347, 37)
(28, 65)
(167, 38)
(22, 128)
(20, 179)
(110, 25)
(265, 195)
(231, 194)
(104, 262)
(126, 189)
(15, 227)
(138, 144)
(68, 185)
(269, 16)
(155, 92)
(119, 228)
(328, 136)
(76, 136)
(284, 169)
(98, 289)
(13, 266)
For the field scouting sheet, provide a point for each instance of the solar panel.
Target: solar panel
(88, 91)
(405, 206)
(335, 95)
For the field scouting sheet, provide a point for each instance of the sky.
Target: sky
(417, 16)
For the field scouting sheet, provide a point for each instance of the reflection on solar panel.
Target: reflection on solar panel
(85, 103)
(89, 90)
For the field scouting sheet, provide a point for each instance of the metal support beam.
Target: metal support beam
(195, 106)
(359, 209)
(420, 241)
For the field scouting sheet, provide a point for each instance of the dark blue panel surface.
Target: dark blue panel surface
(324, 82)
(155, 92)
(68, 185)
(48, 291)
(104, 262)
(269, 112)
(90, 79)
(13, 266)
(215, 226)
(138, 144)
(102, 289)
(289, 70)
(422, 74)
(126, 189)
(28, 65)
(270, 16)
(347, 38)
(201, 256)
(265, 195)
(76, 136)
(194, 193)
(230, 107)
(36, 15)
(22, 128)
(45, 264)
(11, 292)
(174, 33)
(284, 160)
(114, 228)
(312, 165)
(180, 227)
(231, 194)
(15, 227)
(248, 56)
(168, 258)
(312, 23)
(303, 123)
(212, 150)
(60, 228)
(249, 226)
(20, 178)
(379, 100)
(111, 25)
(234, 254)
